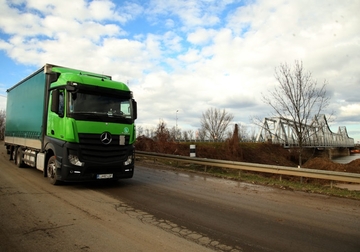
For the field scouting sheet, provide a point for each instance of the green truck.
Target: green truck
(73, 125)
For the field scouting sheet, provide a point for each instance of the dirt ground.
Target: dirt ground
(262, 153)
(327, 164)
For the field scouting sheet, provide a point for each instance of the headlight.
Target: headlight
(128, 161)
(75, 160)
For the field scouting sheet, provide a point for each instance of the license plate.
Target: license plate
(104, 176)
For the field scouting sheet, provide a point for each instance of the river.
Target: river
(347, 159)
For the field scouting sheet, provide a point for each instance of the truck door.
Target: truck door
(55, 125)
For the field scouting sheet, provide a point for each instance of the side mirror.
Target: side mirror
(55, 101)
(134, 107)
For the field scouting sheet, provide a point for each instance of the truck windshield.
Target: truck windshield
(111, 106)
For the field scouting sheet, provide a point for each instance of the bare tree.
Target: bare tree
(147, 133)
(185, 135)
(243, 132)
(200, 134)
(162, 133)
(214, 123)
(175, 133)
(139, 130)
(252, 136)
(297, 97)
(190, 134)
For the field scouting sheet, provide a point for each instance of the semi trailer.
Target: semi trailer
(72, 125)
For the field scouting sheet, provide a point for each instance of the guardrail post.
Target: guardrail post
(192, 150)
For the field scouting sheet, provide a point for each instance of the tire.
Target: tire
(11, 153)
(19, 157)
(51, 171)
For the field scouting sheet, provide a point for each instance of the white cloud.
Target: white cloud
(350, 111)
(191, 13)
(201, 36)
(190, 56)
(12, 21)
(171, 42)
(5, 45)
(195, 54)
(101, 10)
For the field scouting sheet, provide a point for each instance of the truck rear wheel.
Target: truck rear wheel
(19, 160)
(11, 153)
(51, 171)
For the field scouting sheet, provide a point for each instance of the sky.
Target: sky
(181, 58)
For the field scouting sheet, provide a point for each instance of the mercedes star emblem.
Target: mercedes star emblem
(106, 138)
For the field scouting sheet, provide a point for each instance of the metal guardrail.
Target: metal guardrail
(273, 169)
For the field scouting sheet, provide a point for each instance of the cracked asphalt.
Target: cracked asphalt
(175, 229)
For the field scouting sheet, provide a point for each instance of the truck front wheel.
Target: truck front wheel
(51, 171)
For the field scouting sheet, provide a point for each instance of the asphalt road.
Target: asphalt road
(167, 210)
(244, 216)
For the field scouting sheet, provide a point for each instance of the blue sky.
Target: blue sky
(188, 56)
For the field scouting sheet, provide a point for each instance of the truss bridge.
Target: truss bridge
(278, 130)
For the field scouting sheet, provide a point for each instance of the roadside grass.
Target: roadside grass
(324, 187)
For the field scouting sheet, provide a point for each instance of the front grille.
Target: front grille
(93, 150)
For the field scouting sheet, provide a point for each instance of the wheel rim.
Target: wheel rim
(51, 170)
